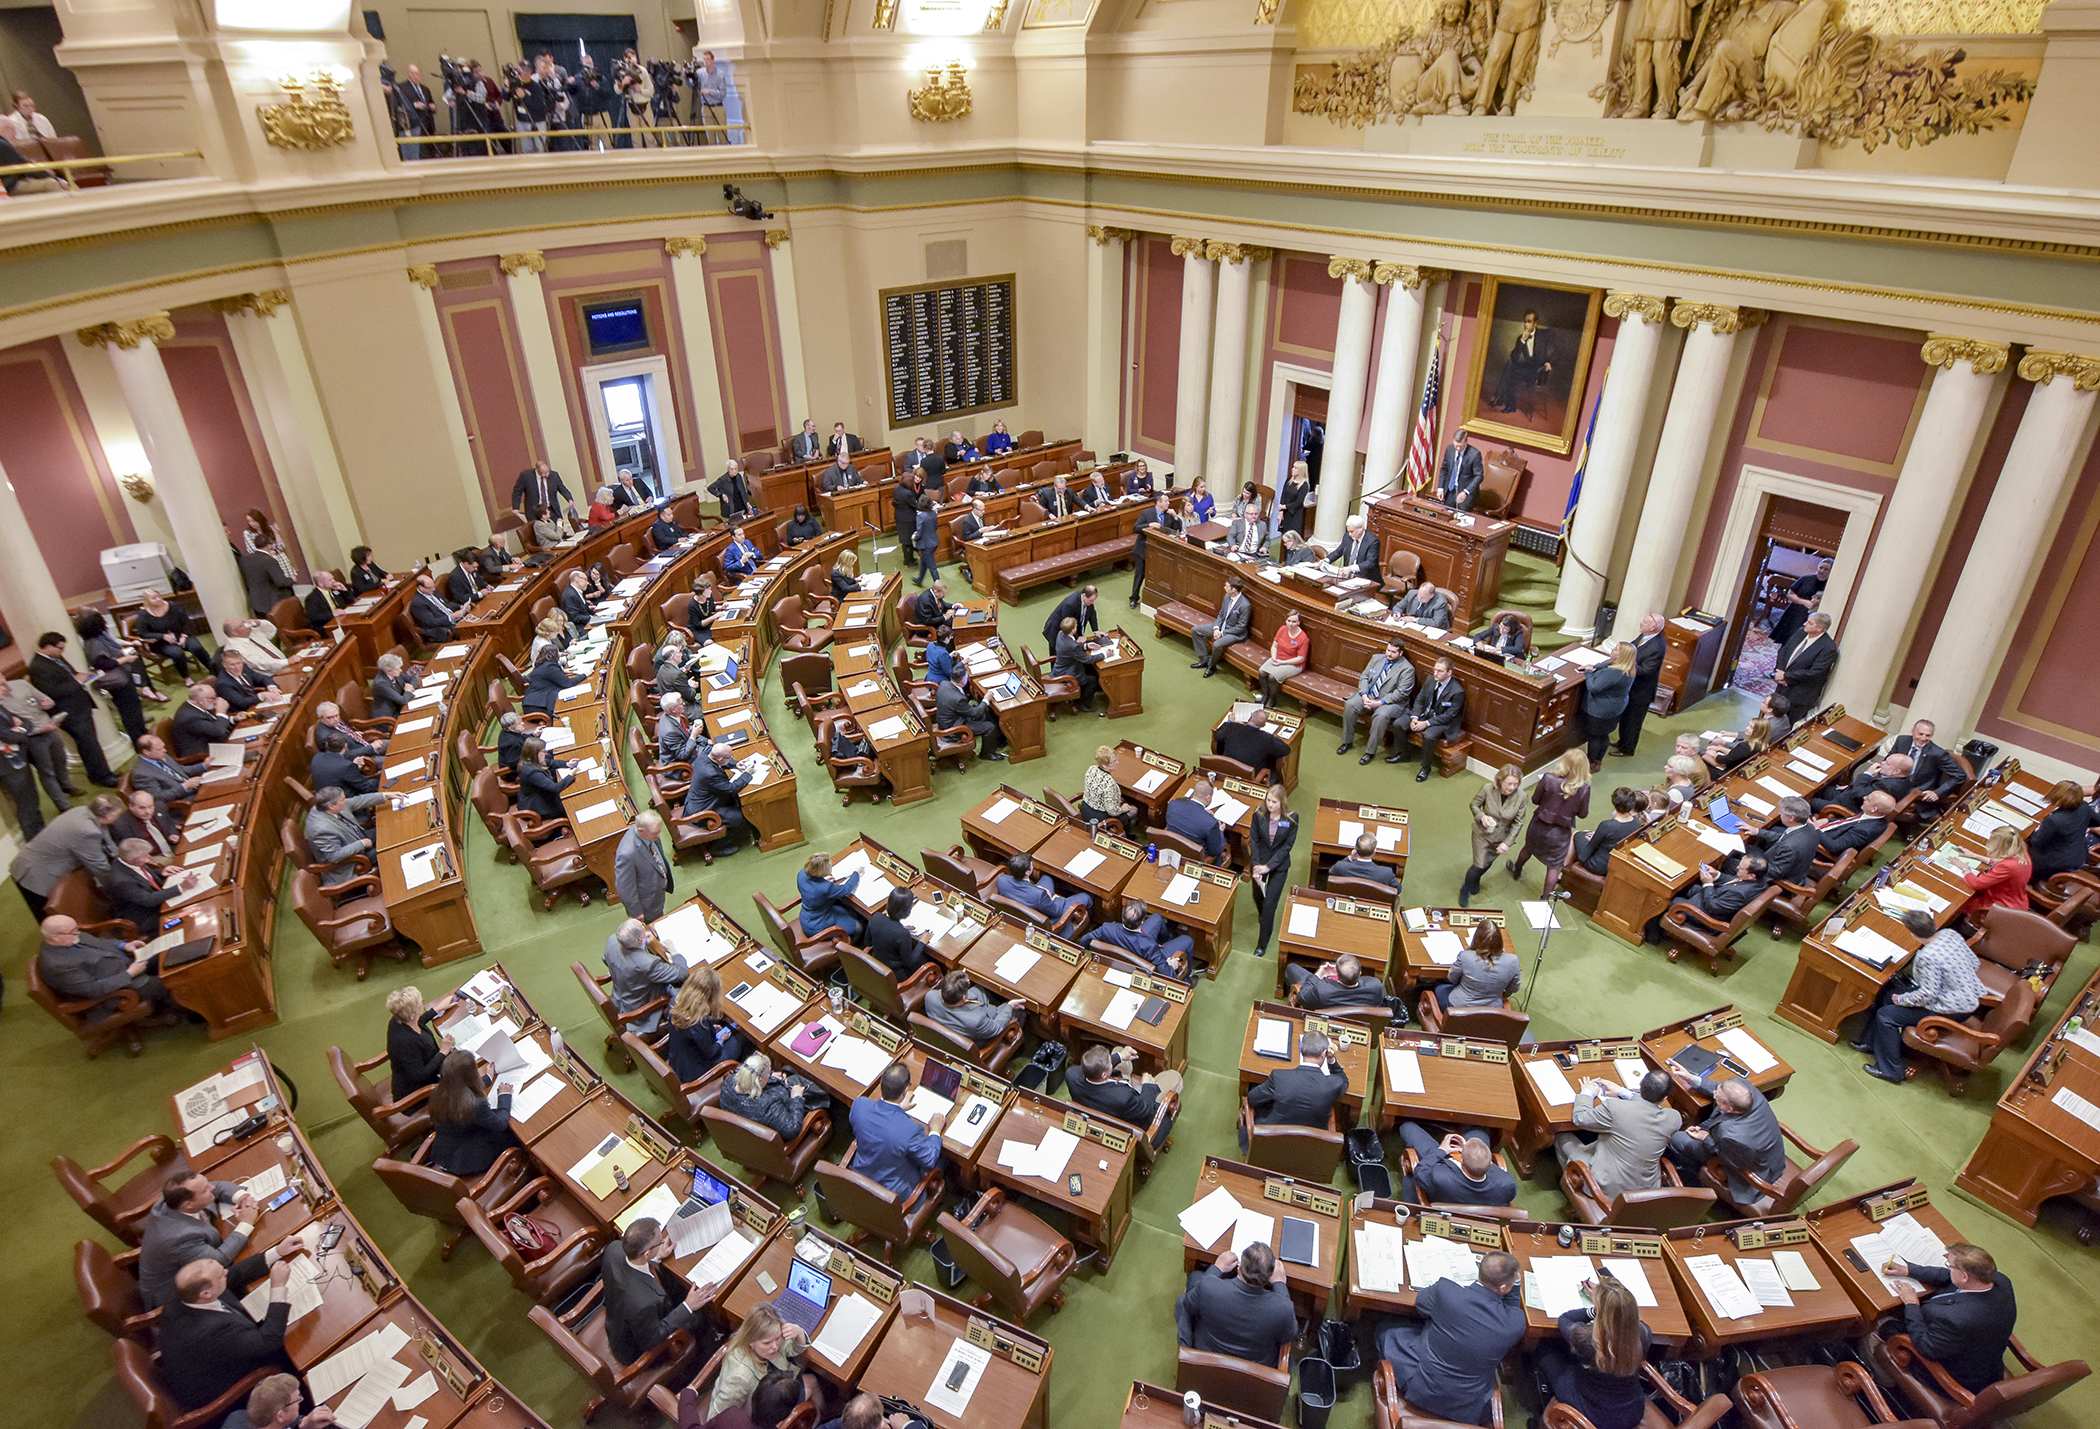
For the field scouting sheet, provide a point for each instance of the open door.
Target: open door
(632, 422)
(1796, 544)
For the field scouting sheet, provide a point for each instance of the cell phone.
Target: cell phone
(957, 1375)
(1858, 1261)
(330, 1236)
(1736, 1067)
(1073, 1183)
(976, 1114)
(283, 1197)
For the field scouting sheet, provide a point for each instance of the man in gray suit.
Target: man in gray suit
(1249, 535)
(964, 1009)
(158, 775)
(1229, 628)
(77, 838)
(639, 975)
(333, 834)
(641, 873)
(1632, 1131)
(184, 1226)
(1743, 1131)
(1384, 688)
(79, 965)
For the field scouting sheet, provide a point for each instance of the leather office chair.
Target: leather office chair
(79, 897)
(1501, 474)
(992, 1056)
(950, 741)
(1403, 570)
(805, 669)
(1219, 764)
(1390, 1411)
(1815, 1396)
(1691, 931)
(491, 801)
(1959, 1047)
(1795, 1184)
(873, 1209)
(1502, 1024)
(395, 1123)
(579, 1238)
(1067, 926)
(908, 677)
(1261, 1390)
(1029, 440)
(1068, 805)
(878, 986)
(121, 1210)
(815, 953)
(1582, 887)
(687, 1099)
(1680, 1412)
(428, 1191)
(1017, 1260)
(915, 634)
(289, 615)
(352, 925)
(851, 772)
(617, 1023)
(957, 870)
(791, 623)
(756, 462)
(292, 839)
(1364, 890)
(109, 1292)
(99, 1022)
(1030, 512)
(1671, 1204)
(814, 586)
(760, 1150)
(1188, 848)
(138, 1370)
(1793, 905)
(1926, 1387)
(579, 1333)
(1062, 691)
(2012, 940)
(165, 729)
(556, 865)
(697, 832)
(1309, 1152)
(2069, 900)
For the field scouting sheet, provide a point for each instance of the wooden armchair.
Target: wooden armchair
(293, 840)
(687, 1099)
(548, 1277)
(395, 1123)
(1390, 1411)
(138, 1370)
(1364, 890)
(1673, 1411)
(1403, 571)
(1795, 1183)
(1959, 1047)
(815, 953)
(428, 1191)
(760, 1150)
(950, 741)
(1691, 931)
(1815, 1396)
(1929, 1389)
(971, 877)
(809, 669)
(2069, 900)
(617, 1023)
(1501, 474)
(992, 1056)
(1220, 764)
(873, 1209)
(1503, 1024)
(491, 802)
(580, 1334)
(555, 865)
(1793, 905)
(1310, 1152)
(109, 1292)
(791, 623)
(2012, 940)
(1068, 926)
(1062, 690)
(1017, 1260)
(1672, 1204)
(1188, 848)
(348, 919)
(696, 832)
(99, 1022)
(1261, 1390)
(121, 1210)
(877, 984)
(915, 634)
(853, 771)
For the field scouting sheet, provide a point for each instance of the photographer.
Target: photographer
(476, 104)
(420, 111)
(637, 93)
(663, 109)
(588, 99)
(710, 83)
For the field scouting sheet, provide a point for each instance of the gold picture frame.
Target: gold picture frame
(1534, 402)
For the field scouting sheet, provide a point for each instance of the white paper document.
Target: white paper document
(658, 1205)
(1434, 1258)
(199, 856)
(1252, 1228)
(1748, 1050)
(1555, 1282)
(1181, 891)
(954, 1401)
(1552, 1084)
(964, 1132)
(998, 812)
(1272, 1037)
(373, 1391)
(1756, 805)
(686, 933)
(1634, 1276)
(1764, 1281)
(304, 1287)
(1869, 946)
(845, 1327)
(1150, 781)
(702, 1229)
(1211, 1217)
(1016, 963)
(529, 1101)
(265, 1183)
(1631, 1070)
(1389, 837)
(1403, 1071)
(1122, 1009)
(420, 866)
(409, 1395)
(1539, 915)
(1443, 947)
(1305, 920)
(861, 1060)
(1723, 1288)
(1779, 787)
(720, 1263)
(1348, 831)
(1794, 1271)
(887, 728)
(1085, 862)
(1381, 1260)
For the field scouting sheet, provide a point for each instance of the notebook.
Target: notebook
(1697, 1060)
(1300, 1242)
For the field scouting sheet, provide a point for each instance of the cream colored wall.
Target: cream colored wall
(407, 33)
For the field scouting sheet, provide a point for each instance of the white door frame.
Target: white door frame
(663, 417)
(1738, 535)
(1282, 377)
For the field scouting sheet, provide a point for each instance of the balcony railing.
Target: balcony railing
(472, 144)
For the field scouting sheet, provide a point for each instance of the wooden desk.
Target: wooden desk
(1636, 890)
(1311, 1286)
(1460, 551)
(1544, 1118)
(998, 834)
(435, 916)
(1103, 882)
(902, 756)
(2035, 1147)
(1416, 964)
(589, 1126)
(963, 1144)
(1290, 728)
(1123, 675)
(770, 805)
(914, 1348)
(1824, 1314)
(857, 508)
(1834, 1226)
(1350, 1047)
(1048, 978)
(600, 811)
(1135, 768)
(756, 964)
(850, 1272)
(1083, 1014)
(234, 986)
(1474, 1090)
(972, 920)
(1022, 716)
(1338, 823)
(1207, 916)
(1691, 653)
(1100, 1213)
(1333, 926)
(1478, 1235)
(1150, 1407)
(347, 1302)
(857, 659)
(843, 1087)
(1666, 1319)
(1665, 1042)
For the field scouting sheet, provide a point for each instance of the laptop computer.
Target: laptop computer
(808, 1293)
(940, 1079)
(1843, 741)
(1725, 821)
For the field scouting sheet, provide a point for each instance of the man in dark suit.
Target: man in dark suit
(1111, 1085)
(842, 475)
(264, 578)
(1719, 898)
(241, 686)
(1340, 983)
(631, 492)
(953, 706)
(1147, 937)
(1439, 715)
(1529, 364)
(1790, 845)
(84, 967)
(717, 783)
(1358, 551)
(1459, 474)
(334, 764)
(643, 1306)
(970, 525)
(136, 889)
(1226, 629)
(1805, 663)
(156, 774)
(930, 606)
(141, 820)
(328, 716)
(1834, 836)
(434, 619)
(641, 873)
(1159, 518)
(1963, 1321)
(915, 459)
(1362, 862)
(1095, 492)
(1649, 647)
(464, 586)
(1251, 742)
(1742, 1130)
(806, 445)
(732, 489)
(1446, 1367)
(208, 1343)
(575, 605)
(539, 487)
(1189, 816)
(665, 532)
(843, 442)
(1058, 501)
(1237, 1306)
(322, 602)
(895, 1149)
(1079, 605)
(71, 704)
(200, 722)
(1932, 768)
(1460, 1170)
(1303, 1095)
(1890, 775)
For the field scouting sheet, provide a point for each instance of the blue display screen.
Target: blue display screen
(615, 327)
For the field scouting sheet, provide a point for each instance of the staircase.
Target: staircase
(1529, 584)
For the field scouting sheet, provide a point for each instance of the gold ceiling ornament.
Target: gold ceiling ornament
(1266, 11)
(1407, 275)
(1986, 357)
(1190, 248)
(1340, 267)
(423, 275)
(1947, 17)
(2042, 367)
(946, 94)
(995, 18)
(322, 122)
(1722, 319)
(1639, 306)
(885, 14)
(154, 327)
(1106, 236)
(137, 485)
(685, 247)
(776, 238)
(513, 264)
(263, 304)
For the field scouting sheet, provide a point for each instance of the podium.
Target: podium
(1465, 560)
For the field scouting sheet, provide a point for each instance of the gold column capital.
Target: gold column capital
(516, 263)
(1191, 247)
(1340, 267)
(2041, 367)
(1718, 316)
(685, 247)
(423, 275)
(1407, 275)
(1944, 350)
(154, 328)
(264, 304)
(1106, 236)
(776, 237)
(1221, 252)
(1641, 307)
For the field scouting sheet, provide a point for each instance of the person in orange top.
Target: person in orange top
(1288, 653)
(2002, 881)
(601, 513)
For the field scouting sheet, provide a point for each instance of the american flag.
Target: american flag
(1421, 452)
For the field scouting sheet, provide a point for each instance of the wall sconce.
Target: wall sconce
(138, 486)
(301, 123)
(946, 95)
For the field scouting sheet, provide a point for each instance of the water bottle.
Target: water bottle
(1192, 1409)
(838, 1001)
(1152, 853)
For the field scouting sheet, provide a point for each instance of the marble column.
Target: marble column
(118, 436)
(689, 291)
(1399, 351)
(1192, 369)
(1615, 437)
(786, 303)
(1104, 337)
(205, 549)
(1680, 456)
(1228, 361)
(543, 385)
(2011, 542)
(1924, 500)
(481, 505)
(1345, 397)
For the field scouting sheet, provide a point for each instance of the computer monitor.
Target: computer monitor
(807, 1281)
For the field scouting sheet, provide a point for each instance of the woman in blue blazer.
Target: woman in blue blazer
(827, 902)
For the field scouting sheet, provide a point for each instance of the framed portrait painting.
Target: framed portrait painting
(1530, 358)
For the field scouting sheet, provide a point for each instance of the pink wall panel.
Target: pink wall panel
(1849, 393)
(493, 396)
(747, 345)
(1307, 305)
(206, 377)
(1157, 358)
(643, 270)
(2043, 698)
(56, 466)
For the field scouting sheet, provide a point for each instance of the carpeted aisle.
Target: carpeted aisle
(1113, 1327)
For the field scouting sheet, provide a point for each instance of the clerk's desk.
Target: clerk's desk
(1017, 484)
(996, 564)
(1462, 552)
(2044, 1137)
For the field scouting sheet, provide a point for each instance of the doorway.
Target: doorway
(1795, 550)
(605, 38)
(632, 422)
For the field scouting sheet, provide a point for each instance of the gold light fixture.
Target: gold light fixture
(322, 122)
(138, 486)
(946, 95)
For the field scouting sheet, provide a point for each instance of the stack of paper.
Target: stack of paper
(1794, 1271)
(1272, 1037)
(1047, 1160)
(1634, 1276)
(965, 1132)
(305, 1284)
(768, 1006)
(1389, 837)
(1435, 1258)
(1150, 781)
(861, 1060)
(528, 1102)
(1305, 920)
(998, 812)
(1762, 1276)
(686, 933)
(1226, 809)
(1403, 1071)
(1756, 805)
(1748, 1050)
(1552, 1082)
(1253, 1228)
(1723, 1288)
(1631, 1070)
(929, 922)
(658, 1205)
(1869, 946)
(1016, 963)
(1085, 862)
(845, 1327)
(721, 1262)
(1443, 947)
(1211, 1217)
(1122, 1009)
(928, 1106)
(1782, 789)
(1555, 1283)
(887, 728)
(1348, 831)
(1381, 1262)
(1181, 890)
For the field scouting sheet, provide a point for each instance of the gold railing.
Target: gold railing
(45, 166)
(469, 138)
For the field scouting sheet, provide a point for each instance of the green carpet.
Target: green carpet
(1529, 584)
(1591, 985)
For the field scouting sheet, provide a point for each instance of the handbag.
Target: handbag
(533, 1237)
